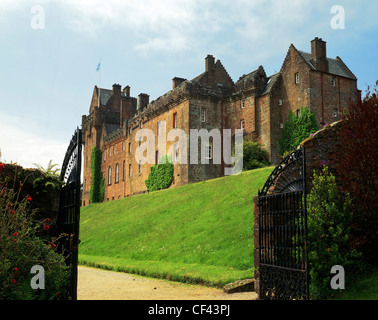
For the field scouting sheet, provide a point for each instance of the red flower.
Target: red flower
(46, 227)
(1, 166)
(15, 234)
(15, 270)
(52, 245)
(29, 198)
(13, 281)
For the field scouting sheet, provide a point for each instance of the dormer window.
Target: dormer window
(333, 81)
(242, 104)
(297, 78)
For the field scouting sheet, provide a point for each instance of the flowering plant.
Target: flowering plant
(21, 248)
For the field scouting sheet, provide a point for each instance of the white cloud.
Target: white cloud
(19, 143)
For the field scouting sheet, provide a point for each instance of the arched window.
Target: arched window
(110, 175)
(116, 173)
(124, 170)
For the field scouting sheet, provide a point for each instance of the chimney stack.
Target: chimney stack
(319, 55)
(143, 100)
(209, 63)
(177, 82)
(116, 89)
(126, 90)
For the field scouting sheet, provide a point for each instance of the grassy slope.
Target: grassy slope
(200, 232)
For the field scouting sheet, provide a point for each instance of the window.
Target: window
(140, 140)
(243, 104)
(175, 152)
(174, 124)
(280, 102)
(123, 145)
(124, 170)
(335, 113)
(129, 147)
(117, 173)
(297, 77)
(104, 155)
(298, 113)
(130, 170)
(242, 126)
(333, 81)
(281, 125)
(158, 127)
(110, 175)
(157, 157)
(208, 150)
(203, 115)
(114, 149)
(140, 166)
(110, 152)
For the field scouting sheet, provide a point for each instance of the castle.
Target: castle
(256, 103)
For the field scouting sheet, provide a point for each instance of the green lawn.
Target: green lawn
(200, 233)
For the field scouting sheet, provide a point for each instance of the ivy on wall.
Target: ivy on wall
(297, 129)
(97, 191)
(160, 177)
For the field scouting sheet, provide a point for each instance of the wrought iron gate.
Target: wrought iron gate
(282, 225)
(69, 208)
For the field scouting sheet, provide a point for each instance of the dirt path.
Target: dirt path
(97, 284)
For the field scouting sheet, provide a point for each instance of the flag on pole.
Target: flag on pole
(98, 66)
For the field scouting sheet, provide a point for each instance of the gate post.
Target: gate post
(256, 252)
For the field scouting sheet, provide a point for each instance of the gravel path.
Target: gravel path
(97, 284)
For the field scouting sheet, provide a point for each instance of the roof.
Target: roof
(270, 83)
(105, 95)
(336, 66)
(109, 127)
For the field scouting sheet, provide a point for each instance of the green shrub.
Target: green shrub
(21, 249)
(97, 191)
(160, 177)
(254, 156)
(50, 181)
(297, 129)
(329, 222)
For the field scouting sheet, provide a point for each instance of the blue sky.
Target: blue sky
(47, 75)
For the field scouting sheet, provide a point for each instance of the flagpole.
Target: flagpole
(99, 84)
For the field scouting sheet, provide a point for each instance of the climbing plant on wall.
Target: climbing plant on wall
(297, 129)
(160, 177)
(96, 193)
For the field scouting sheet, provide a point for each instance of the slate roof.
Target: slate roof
(336, 66)
(105, 95)
(270, 83)
(109, 127)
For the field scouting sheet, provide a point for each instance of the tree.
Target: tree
(329, 216)
(297, 129)
(357, 166)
